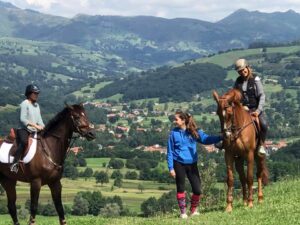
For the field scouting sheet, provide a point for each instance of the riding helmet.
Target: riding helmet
(31, 88)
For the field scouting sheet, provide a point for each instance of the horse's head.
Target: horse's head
(80, 121)
(225, 111)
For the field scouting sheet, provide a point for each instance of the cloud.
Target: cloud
(210, 10)
(45, 4)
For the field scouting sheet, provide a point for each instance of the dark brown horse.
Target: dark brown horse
(47, 165)
(240, 144)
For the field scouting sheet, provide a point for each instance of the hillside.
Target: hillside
(282, 200)
(143, 41)
(168, 84)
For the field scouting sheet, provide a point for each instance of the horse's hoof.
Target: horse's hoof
(260, 199)
(250, 204)
(228, 209)
(245, 202)
(63, 222)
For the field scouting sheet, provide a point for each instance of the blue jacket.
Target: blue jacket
(182, 146)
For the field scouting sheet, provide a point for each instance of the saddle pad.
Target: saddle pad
(5, 147)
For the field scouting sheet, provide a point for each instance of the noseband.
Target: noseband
(79, 127)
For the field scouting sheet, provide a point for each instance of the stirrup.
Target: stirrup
(14, 167)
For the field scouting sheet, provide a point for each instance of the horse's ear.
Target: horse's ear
(81, 104)
(237, 96)
(216, 96)
(68, 106)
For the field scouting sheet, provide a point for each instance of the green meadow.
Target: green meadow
(280, 207)
(131, 196)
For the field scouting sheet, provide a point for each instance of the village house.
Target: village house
(155, 148)
(76, 150)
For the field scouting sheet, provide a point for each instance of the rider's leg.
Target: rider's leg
(263, 133)
(22, 140)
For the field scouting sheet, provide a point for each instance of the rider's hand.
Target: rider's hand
(256, 114)
(39, 127)
(172, 173)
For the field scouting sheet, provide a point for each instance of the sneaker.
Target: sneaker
(14, 167)
(183, 216)
(262, 150)
(195, 213)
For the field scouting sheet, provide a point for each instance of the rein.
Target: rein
(47, 154)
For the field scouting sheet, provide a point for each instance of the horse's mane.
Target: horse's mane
(233, 95)
(54, 121)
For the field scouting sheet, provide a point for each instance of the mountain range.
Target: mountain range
(143, 42)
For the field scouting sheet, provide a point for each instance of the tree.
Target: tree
(150, 207)
(141, 187)
(80, 206)
(102, 177)
(111, 210)
(88, 172)
(132, 175)
(118, 182)
(116, 174)
(70, 170)
(116, 164)
(48, 210)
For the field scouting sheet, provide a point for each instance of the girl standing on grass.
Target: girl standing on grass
(182, 158)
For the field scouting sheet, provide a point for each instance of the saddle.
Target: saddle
(12, 139)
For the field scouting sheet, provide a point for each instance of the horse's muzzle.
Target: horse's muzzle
(90, 135)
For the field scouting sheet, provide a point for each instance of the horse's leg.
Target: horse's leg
(10, 188)
(262, 175)
(250, 161)
(229, 165)
(35, 187)
(55, 188)
(239, 165)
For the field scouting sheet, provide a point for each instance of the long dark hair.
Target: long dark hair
(190, 123)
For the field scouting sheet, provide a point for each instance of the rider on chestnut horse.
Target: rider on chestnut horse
(253, 94)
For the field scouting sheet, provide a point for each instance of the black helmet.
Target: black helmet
(31, 88)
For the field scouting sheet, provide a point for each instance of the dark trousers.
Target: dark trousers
(22, 141)
(192, 173)
(263, 126)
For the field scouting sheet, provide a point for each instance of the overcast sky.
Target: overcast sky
(208, 10)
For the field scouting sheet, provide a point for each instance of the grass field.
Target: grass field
(131, 196)
(129, 192)
(280, 207)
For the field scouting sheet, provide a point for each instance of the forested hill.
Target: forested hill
(168, 84)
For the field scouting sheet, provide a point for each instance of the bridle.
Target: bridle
(231, 130)
(82, 129)
(79, 127)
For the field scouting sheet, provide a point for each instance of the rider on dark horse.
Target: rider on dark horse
(251, 88)
(30, 122)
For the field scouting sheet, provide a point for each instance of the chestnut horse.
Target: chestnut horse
(240, 144)
(46, 167)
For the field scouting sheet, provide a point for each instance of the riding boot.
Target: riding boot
(15, 164)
